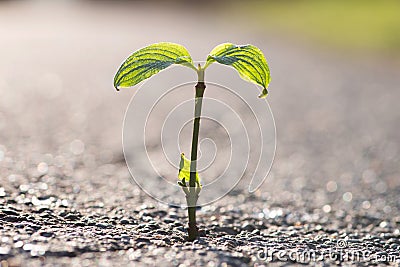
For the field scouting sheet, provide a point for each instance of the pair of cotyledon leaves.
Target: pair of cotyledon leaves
(248, 60)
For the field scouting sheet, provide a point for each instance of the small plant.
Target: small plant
(248, 60)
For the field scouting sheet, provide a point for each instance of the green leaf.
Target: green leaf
(184, 170)
(248, 60)
(148, 61)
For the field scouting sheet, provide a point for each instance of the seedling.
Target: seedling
(248, 60)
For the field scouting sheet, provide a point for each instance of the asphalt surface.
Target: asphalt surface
(66, 196)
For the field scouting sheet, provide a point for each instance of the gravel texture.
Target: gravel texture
(65, 195)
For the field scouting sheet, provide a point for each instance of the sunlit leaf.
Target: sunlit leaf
(148, 61)
(184, 171)
(248, 60)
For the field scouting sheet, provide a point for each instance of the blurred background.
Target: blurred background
(334, 91)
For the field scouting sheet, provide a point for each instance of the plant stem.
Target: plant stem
(191, 199)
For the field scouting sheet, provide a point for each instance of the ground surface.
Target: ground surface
(65, 194)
